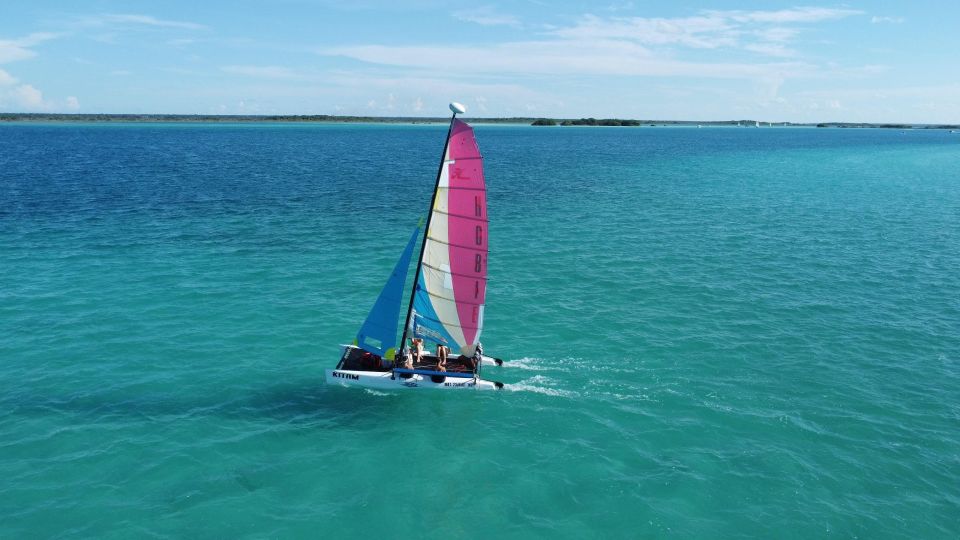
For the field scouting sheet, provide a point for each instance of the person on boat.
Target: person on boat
(442, 358)
(475, 360)
(369, 362)
(417, 345)
(472, 362)
(408, 361)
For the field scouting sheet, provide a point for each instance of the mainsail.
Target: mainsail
(448, 301)
(378, 334)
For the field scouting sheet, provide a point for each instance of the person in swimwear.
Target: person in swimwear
(442, 358)
(417, 345)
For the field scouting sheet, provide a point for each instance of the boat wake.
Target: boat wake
(528, 363)
(590, 379)
(540, 385)
(531, 364)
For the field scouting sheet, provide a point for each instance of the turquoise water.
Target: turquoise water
(709, 333)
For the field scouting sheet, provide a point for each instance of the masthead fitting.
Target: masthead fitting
(457, 108)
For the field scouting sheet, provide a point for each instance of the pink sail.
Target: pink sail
(450, 298)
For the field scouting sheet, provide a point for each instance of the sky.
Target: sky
(858, 61)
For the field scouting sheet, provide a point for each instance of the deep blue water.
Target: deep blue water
(713, 332)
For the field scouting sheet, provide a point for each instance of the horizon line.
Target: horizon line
(12, 116)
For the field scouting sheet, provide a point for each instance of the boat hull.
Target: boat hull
(490, 361)
(386, 380)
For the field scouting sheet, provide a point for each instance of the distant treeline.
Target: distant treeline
(44, 117)
(586, 122)
(652, 123)
(49, 117)
(742, 123)
(885, 126)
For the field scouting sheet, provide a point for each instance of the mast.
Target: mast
(456, 108)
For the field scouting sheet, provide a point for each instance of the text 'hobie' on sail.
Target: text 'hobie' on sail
(444, 315)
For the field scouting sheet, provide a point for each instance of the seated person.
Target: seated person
(370, 361)
(416, 344)
(442, 358)
(408, 360)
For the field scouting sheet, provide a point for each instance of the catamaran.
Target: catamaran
(446, 301)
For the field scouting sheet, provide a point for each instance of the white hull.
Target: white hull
(381, 380)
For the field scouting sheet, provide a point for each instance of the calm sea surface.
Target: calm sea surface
(711, 333)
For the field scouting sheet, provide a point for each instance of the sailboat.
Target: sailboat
(445, 307)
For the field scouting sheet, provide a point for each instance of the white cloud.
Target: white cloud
(106, 37)
(749, 30)
(770, 49)
(619, 6)
(37, 38)
(765, 54)
(698, 32)
(555, 57)
(265, 72)
(905, 104)
(618, 46)
(7, 79)
(777, 34)
(18, 96)
(418, 105)
(941, 93)
(486, 16)
(432, 93)
(12, 50)
(145, 20)
(27, 97)
(892, 20)
(793, 15)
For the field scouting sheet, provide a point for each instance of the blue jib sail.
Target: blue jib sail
(378, 335)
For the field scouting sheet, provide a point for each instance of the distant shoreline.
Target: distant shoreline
(332, 119)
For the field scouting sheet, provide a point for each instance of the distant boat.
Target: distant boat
(446, 303)
(758, 124)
